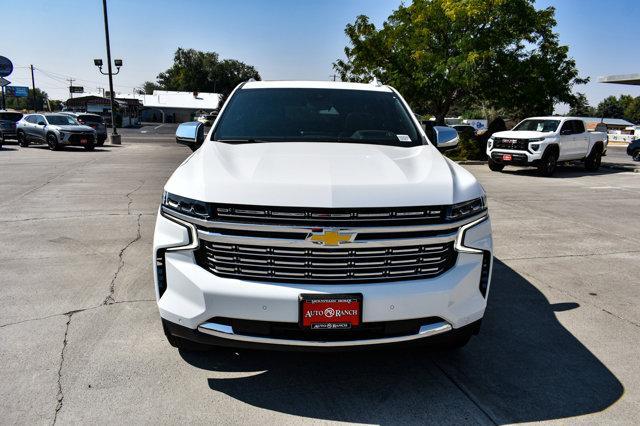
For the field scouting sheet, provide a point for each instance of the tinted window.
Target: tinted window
(578, 126)
(322, 115)
(12, 116)
(538, 125)
(39, 119)
(61, 120)
(567, 126)
(90, 118)
(30, 119)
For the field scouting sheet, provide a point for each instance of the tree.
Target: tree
(27, 103)
(196, 71)
(580, 107)
(610, 107)
(149, 86)
(632, 111)
(441, 53)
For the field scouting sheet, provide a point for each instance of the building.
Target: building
(177, 107)
(631, 79)
(127, 111)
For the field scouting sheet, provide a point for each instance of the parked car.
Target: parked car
(56, 130)
(633, 149)
(207, 119)
(318, 215)
(8, 120)
(94, 121)
(465, 129)
(543, 142)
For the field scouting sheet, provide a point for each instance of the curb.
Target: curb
(472, 162)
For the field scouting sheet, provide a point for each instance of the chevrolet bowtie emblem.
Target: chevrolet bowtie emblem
(331, 238)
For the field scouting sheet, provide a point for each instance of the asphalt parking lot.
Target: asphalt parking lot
(81, 342)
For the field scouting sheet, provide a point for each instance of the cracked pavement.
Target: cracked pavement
(81, 342)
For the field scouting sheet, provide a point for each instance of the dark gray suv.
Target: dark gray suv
(94, 121)
(8, 120)
(56, 130)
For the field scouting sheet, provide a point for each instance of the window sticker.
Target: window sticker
(404, 138)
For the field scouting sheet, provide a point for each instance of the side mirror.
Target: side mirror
(446, 138)
(41, 123)
(566, 132)
(190, 134)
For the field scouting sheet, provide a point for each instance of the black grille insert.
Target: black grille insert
(326, 265)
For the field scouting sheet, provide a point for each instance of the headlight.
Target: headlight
(466, 209)
(535, 146)
(185, 205)
(490, 143)
(536, 140)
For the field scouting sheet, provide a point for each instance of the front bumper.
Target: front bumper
(75, 139)
(519, 158)
(190, 297)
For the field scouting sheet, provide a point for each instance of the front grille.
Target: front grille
(319, 217)
(326, 265)
(77, 137)
(514, 144)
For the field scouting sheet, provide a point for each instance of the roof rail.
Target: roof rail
(375, 82)
(251, 80)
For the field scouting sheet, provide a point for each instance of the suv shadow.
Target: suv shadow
(572, 170)
(523, 367)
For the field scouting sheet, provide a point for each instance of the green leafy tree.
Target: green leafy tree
(149, 86)
(21, 104)
(446, 53)
(197, 71)
(610, 107)
(632, 110)
(580, 107)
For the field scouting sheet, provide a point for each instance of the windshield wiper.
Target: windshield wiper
(243, 140)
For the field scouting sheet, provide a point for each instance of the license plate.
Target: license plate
(83, 141)
(330, 311)
(506, 157)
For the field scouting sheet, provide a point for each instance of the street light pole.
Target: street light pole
(115, 138)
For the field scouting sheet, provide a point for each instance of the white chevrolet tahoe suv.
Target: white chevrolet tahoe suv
(318, 215)
(544, 142)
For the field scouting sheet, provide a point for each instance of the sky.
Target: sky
(283, 39)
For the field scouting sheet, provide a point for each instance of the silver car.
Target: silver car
(56, 130)
(94, 121)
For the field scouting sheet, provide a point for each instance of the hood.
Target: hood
(313, 174)
(521, 134)
(73, 127)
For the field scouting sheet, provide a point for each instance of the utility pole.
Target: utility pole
(70, 80)
(33, 91)
(115, 138)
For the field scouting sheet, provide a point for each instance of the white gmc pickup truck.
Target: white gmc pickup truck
(318, 215)
(544, 142)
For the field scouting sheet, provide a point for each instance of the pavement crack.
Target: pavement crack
(60, 394)
(490, 417)
(571, 255)
(75, 311)
(130, 198)
(110, 299)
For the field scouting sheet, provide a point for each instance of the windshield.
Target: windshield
(12, 116)
(61, 120)
(90, 118)
(538, 125)
(321, 115)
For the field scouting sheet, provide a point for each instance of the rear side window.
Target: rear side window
(578, 127)
(90, 118)
(11, 116)
(30, 119)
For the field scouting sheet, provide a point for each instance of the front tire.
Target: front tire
(52, 141)
(90, 146)
(593, 161)
(495, 167)
(636, 155)
(548, 164)
(22, 140)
